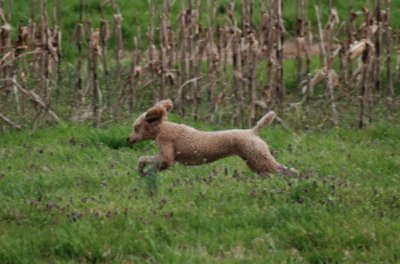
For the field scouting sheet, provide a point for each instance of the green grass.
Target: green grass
(72, 194)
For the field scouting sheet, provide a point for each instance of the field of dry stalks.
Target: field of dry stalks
(219, 61)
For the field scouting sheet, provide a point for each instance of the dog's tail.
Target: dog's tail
(264, 121)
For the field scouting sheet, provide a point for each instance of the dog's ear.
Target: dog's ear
(155, 115)
(167, 104)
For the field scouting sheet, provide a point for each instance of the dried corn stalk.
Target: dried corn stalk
(377, 53)
(118, 44)
(9, 122)
(104, 36)
(359, 48)
(365, 98)
(324, 74)
(388, 32)
(94, 88)
(300, 38)
(79, 82)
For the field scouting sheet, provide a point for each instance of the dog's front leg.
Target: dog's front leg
(162, 161)
(158, 161)
(143, 161)
(166, 157)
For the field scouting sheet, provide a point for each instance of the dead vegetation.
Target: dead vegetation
(208, 61)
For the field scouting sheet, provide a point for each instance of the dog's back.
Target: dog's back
(194, 147)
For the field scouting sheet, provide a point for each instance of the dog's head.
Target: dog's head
(147, 125)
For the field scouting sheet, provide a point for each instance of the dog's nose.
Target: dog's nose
(127, 140)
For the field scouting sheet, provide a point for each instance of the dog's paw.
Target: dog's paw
(142, 162)
(293, 172)
(285, 171)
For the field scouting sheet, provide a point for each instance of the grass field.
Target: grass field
(72, 194)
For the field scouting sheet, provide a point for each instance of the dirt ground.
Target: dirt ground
(289, 49)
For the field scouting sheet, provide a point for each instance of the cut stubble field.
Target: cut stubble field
(72, 194)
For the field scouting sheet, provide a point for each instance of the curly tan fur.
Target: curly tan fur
(189, 146)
